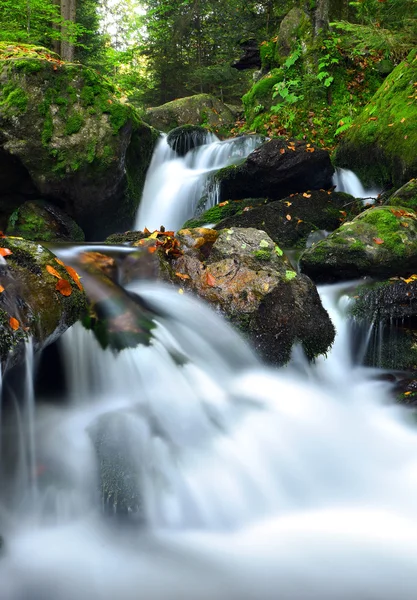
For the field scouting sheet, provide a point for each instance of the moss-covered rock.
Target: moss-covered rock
(221, 211)
(42, 221)
(246, 275)
(290, 221)
(405, 196)
(202, 109)
(73, 138)
(379, 242)
(128, 238)
(30, 303)
(295, 22)
(380, 144)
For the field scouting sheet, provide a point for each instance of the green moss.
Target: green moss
(388, 228)
(74, 123)
(14, 99)
(48, 129)
(9, 338)
(28, 66)
(262, 254)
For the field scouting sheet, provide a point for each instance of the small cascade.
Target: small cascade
(176, 185)
(346, 181)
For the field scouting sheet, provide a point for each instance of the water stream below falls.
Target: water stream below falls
(238, 481)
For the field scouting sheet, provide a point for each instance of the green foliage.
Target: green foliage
(74, 123)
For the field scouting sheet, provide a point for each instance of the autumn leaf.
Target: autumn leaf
(223, 203)
(402, 120)
(146, 231)
(282, 151)
(210, 279)
(152, 249)
(60, 262)
(64, 287)
(305, 195)
(1, 289)
(343, 213)
(74, 275)
(247, 208)
(53, 272)
(390, 124)
(378, 240)
(14, 323)
(404, 223)
(288, 217)
(287, 203)
(182, 275)
(5, 252)
(309, 149)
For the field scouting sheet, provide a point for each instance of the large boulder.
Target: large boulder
(289, 222)
(39, 297)
(406, 196)
(244, 273)
(202, 109)
(65, 137)
(380, 144)
(380, 242)
(42, 221)
(275, 170)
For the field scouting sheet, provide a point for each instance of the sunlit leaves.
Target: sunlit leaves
(14, 323)
(5, 252)
(63, 286)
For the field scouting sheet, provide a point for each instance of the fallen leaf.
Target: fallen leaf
(390, 124)
(14, 323)
(151, 249)
(287, 203)
(74, 275)
(1, 289)
(299, 221)
(378, 240)
(53, 272)
(343, 213)
(404, 224)
(402, 120)
(182, 275)
(60, 262)
(210, 279)
(5, 252)
(309, 149)
(247, 208)
(146, 231)
(409, 279)
(282, 151)
(64, 287)
(180, 291)
(305, 195)
(407, 393)
(288, 217)
(223, 203)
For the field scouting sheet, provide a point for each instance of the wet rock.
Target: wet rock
(406, 196)
(221, 211)
(380, 242)
(34, 302)
(41, 221)
(248, 278)
(125, 239)
(290, 221)
(275, 170)
(185, 138)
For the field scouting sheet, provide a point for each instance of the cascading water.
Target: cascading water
(174, 184)
(188, 470)
(346, 181)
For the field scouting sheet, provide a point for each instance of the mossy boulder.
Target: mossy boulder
(294, 22)
(67, 134)
(380, 144)
(380, 242)
(185, 138)
(406, 196)
(42, 221)
(276, 169)
(221, 211)
(202, 109)
(30, 303)
(290, 221)
(245, 274)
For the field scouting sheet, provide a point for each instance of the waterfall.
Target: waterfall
(175, 185)
(346, 181)
(243, 482)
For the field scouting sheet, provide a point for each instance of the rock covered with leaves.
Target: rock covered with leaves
(202, 109)
(245, 274)
(40, 297)
(380, 144)
(275, 170)
(65, 135)
(380, 242)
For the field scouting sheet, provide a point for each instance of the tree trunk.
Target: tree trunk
(321, 17)
(68, 11)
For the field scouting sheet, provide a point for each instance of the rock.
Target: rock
(72, 142)
(275, 170)
(41, 221)
(30, 303)
(217, 213)
(406, 196)
(185, 138)
(289, 222)
(380, 242)
(246, 276)
(125, 239)
(380, 144)
(294, 21)
(202, 109)
(251, 56)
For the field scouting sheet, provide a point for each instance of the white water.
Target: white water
(346, 181)
(257, 483)
(174, 185)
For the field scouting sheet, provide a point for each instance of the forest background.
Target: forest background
(157, 50)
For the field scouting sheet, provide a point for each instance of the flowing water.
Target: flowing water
(237, 481)
(346, 181)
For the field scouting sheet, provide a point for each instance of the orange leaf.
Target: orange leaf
(378, 240)
(210, 279)
(287, 203)
(60, 262)
(5, 252)
(146, 231)
(343, 213)
(64, 287)
(1, 289)
(182, 275)
(152, 249)
(224, 203)
(309, 149)
(52, 271)
(305, 195)
(75, 277)
(282, 151)
(404, 223)
(14, 323)
(288, 217)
